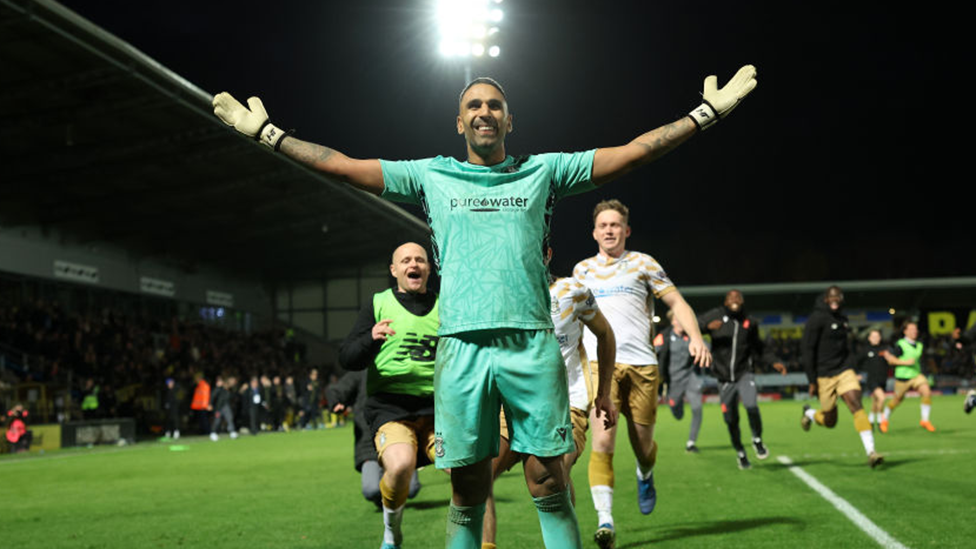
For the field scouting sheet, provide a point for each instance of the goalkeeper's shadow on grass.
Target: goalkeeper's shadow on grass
(698, 529)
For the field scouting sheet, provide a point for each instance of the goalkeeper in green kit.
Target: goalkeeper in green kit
(489, 217)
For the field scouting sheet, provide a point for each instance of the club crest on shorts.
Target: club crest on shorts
(562, 433)
(438, 446)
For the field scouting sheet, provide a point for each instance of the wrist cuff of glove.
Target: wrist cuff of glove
(271, 135)
(704, 116)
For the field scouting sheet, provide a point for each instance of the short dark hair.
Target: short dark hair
(482, 80)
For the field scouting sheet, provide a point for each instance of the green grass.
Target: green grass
(300, 490)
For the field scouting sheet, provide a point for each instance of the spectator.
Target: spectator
(200, 405)
(171, 408)
(221, 406)
(310, 401)
(18, 435)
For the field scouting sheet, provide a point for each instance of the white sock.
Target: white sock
(871, 417)
(811, 413)
(926, 410)
(867, 439)
(642, 474)
(603, 503)
(391, 525)
(887, 413)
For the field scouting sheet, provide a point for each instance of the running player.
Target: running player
(394, 340)
(681, 376)
(827, 361)
(489, 218)
(625, 284)
(573, 306)
(874, 362)
(736, 345)
(961, 340)
(906, 357)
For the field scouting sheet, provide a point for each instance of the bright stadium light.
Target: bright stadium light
(468, 27)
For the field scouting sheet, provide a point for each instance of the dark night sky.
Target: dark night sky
(839, 166)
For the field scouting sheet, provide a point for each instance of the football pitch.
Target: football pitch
(299, 489)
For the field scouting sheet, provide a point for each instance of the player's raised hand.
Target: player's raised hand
(251, 121)
(718, 103)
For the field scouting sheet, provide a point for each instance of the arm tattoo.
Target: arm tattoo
(662, 140)
(307, 153)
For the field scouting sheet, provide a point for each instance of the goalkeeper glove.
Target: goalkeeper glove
(718, 103)
(252, 123)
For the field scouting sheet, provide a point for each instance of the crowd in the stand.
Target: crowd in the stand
(117, 365)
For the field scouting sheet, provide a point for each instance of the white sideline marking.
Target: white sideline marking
(848, 510)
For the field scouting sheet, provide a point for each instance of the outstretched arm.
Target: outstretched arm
(613, 162)
(252, 121)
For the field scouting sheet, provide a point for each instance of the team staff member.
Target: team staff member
(735, 345)
(395, 341)
(829, 368)
(625, 284)
(906, 357)
(489, 218)
(200, 404)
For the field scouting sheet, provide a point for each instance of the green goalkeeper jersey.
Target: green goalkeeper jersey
(490, 225)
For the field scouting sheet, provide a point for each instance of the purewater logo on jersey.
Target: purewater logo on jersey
(491, 203)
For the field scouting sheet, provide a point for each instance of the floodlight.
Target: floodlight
(463, 26)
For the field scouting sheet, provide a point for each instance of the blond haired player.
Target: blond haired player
(625, 284)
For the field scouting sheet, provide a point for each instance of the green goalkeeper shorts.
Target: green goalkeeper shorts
(479, 372)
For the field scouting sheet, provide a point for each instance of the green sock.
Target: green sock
(558, 520)
(464, 526)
